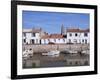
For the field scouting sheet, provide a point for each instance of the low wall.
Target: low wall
(61, 47)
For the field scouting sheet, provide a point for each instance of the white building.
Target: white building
(53, 39)
(32, 36)
(77, 36)
(37, 36)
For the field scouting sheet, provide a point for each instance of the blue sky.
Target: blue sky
(51, 22)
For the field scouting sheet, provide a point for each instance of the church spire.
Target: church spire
(62, 29)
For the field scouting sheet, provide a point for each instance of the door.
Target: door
(85, 41)
(40, 41)
(32, 41)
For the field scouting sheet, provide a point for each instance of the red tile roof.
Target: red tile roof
(36, 30)
(77, 30)
(52, 36)
(32, 30)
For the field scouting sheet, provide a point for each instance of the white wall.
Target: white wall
(29, 37)
(79, 37)
(46, 41)
(5, 42)
(36, 38)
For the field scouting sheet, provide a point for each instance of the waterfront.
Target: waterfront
(63, 60)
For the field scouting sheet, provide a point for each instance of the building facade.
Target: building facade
(32, 36)
(74, 36)
(53, 39)
(77, 36)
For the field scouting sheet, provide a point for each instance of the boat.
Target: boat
(54, 53)
(27, 53)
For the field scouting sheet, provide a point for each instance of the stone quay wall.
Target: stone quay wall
(60, 47)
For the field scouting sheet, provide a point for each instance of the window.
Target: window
(69, 40)
(33, 34)
(24, 40)
(75, 40)
(85, 34)
(75, 34)
(70, 34)
(32, 41)
(40, 41)
(83, 40)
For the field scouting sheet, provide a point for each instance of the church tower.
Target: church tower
(62, 29)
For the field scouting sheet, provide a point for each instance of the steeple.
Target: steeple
(62, 29)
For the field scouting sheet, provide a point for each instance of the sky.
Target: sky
(51, 22)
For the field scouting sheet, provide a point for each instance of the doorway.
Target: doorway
(32, 41)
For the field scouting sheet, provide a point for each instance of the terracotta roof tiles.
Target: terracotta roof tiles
(77, 30)
(52, 36)
(32, 30)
